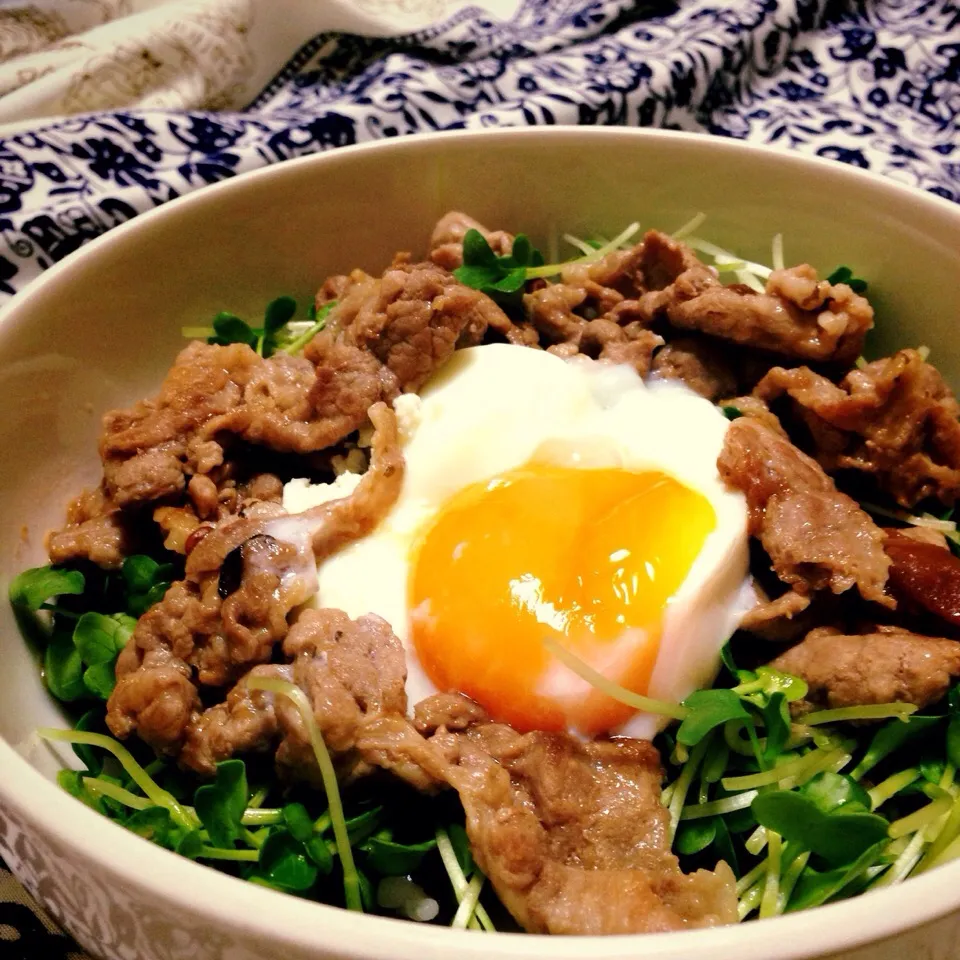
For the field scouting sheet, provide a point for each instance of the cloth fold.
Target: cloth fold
(62, 57)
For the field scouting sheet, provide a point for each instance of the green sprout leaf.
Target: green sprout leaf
(845, 275)
(776, 721)
(284, 862)
(731, 412)
(100, 679)
(815, 888)
(695, 835)
(156, 824)
(146, 582)
(99, 638)
(709, 709)
(30, 589)
(890, 737)
(298, 821)
(495, 275)
(839, 835)
(392, 859)
(63, 668)
(220, 805)
(229, 328)
(278, 314)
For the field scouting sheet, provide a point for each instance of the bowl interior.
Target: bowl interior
(101, 329)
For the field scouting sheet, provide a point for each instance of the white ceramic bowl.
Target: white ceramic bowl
(101, 328)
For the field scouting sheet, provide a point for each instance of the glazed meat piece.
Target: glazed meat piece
(894, 420)
(890, 665)
(781, 620)
(446, 241)
(242, 580)
(573, 835)
(352, 671)
(816, 536)
(797, 315)
(924, 573)
(699, 363)
(387, 335)
(96, 530)
(550, 311)
(411, 320)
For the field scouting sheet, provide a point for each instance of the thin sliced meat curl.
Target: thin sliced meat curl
(797, 315)
(890, 665)
(894, 420)
(816, 536)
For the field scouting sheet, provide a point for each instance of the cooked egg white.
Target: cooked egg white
(550, 498)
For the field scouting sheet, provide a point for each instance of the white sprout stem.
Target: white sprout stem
(552, 269)
(904, 864)
(581, 245)
(757, 840)
(682, 784)
(926, 520)
(610, 688)
(718, 253)
(159, 796)
(749, 280)
(719, 807)
(832, 761)
(771, 885)
(469, 903)
(351, 879)
(750, 900)
(690, 226)
(458, 880)
(871, 711)
(789, 881)
(101, 788)
(750, 878)
(888, 788)
(776, 256)
(946, 836)
(919, 819)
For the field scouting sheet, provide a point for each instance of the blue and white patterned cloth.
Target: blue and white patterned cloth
(874, 84)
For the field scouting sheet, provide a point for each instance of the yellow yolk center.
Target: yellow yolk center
(587, 557)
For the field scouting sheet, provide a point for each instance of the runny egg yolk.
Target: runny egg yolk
(589, 557)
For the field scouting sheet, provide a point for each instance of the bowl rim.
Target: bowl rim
(246, 908)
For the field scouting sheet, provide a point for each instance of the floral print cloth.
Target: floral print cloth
(189, 92)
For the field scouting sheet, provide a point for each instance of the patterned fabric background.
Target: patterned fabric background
(873, 84)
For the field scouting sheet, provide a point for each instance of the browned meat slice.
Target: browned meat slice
(699, 363)
(895, 420)
(797, 315)
(550, 311)
(891, 665)
(412, 319)
(606, 282)
(446, 241)
(352, 671)
(95, 530)
(245, 722)
(925, 574)
(573, 835)
(780, 620)
(242, 580)
(816, 536)
(452, 711)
